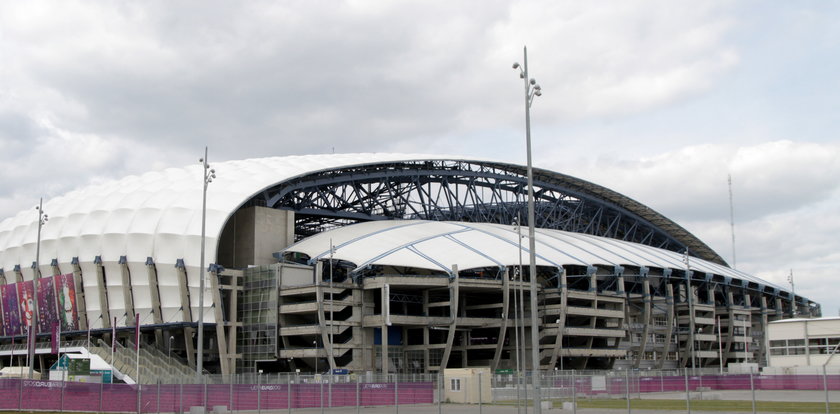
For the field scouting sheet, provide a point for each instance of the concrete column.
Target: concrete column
(103, 295)
(384, 327)
(157, 318)
(125, 277)
(669, 320)
(426, 331)
(727, 348)
(646, 318)
(186, 311)
(561, 326)
(453, 312)
(81, 305)
(503, 325)
(221, 339)
(764, 340)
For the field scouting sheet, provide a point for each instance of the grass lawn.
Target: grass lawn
(713, 405)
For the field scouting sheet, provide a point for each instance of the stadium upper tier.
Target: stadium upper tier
(436, 246)
(111, 232)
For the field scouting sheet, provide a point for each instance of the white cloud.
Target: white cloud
(787, 204)
(653, 99)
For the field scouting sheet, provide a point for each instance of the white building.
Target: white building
(803, 342)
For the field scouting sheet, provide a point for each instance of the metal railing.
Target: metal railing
(461, 391)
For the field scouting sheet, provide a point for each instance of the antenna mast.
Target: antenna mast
(732, 222)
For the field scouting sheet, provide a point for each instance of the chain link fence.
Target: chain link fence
(459, 392)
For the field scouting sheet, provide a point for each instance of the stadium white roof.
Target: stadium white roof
(157, 214)
(438, 245)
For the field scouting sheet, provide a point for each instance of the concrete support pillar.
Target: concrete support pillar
(18, 274)
(764, 346)
(103, 295)
(54, 268)
(221, 321)
(81, 305)
(386, 300)
(503, 325)
(561, 324)
(157, 317)
(727, 347)
(453, 313)
(125, 277)
(669, 321)
(426, 331)
(646, 317)
(186, 311)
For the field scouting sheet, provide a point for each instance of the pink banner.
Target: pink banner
(11, 315)
(47, 312)
(26, 302)
(65, 288)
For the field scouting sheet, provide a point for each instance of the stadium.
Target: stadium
(394, 263)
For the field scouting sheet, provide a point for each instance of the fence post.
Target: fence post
(661, 382)
(289, 393)
(158, 396)
(321, 385)
(396, 393)
(825, 387)
(139, 394)
(181, 396)
(440, 391)
(574, 393)
(63, 383)
(752, 390)
(479, 393)
(358, 400)
(205, 392)
(687, 396)
(627, 388)
(259, 392)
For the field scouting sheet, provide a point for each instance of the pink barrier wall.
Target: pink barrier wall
(39, 395)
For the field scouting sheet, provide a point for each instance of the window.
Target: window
(455, 384)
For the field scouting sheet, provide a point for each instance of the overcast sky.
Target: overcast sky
(659, 100)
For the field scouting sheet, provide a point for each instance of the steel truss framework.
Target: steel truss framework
(475, 192)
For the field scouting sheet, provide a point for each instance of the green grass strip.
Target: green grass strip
(714, 405)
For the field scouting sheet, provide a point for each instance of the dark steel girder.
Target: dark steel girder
(482, 191)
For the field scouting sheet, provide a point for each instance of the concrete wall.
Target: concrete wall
(253, 234)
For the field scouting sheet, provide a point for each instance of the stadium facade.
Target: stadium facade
(380, 262)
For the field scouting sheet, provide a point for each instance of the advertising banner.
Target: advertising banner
(65, 288)
(26, 302)
(11, 315)
(47, 312)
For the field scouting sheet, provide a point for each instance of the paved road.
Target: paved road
(803, 396)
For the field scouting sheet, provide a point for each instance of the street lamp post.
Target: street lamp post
(532, 89)
(169, 354)
(315, 345)
(208, 175)
(516, 313)
(332, 305)
(42, 219)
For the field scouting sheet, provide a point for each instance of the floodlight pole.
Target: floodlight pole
(531, 90)
(207, 178)
(690, 297)
(792, 293)
(36, 274)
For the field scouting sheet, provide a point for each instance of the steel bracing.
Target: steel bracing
(473, 191)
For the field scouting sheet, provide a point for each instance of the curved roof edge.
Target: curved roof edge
(160, 210)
